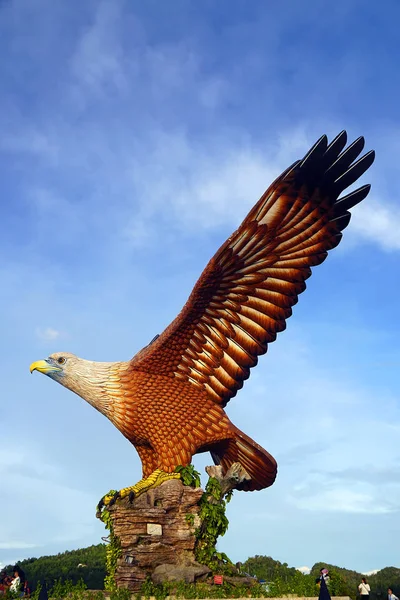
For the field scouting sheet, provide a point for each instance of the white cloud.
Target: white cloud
(304, 570)
(204, 187)
(16, 545)
(341, 500)
(378, 222)
(322, 491)
(48, 334)
(97, 61)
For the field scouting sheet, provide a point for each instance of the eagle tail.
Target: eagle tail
(258, 463)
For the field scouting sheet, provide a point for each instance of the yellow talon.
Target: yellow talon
(107, 500)
(155, 479)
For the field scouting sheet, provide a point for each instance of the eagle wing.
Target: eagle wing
(246, 292)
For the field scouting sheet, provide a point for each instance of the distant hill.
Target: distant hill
(87, 564)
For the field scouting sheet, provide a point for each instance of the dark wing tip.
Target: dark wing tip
(354, 172)
(335, 147)
(333, 168)
(315, 153)
(352, 199)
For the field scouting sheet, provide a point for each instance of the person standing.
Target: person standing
(17, 584)
(364, 589)
(391, 596)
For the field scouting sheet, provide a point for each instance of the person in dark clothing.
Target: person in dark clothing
(43, 594)
(323, 574)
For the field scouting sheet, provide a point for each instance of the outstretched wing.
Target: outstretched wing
(246, 292)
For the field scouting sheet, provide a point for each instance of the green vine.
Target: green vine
(189, 518)
(213, 523)
(189, 475)
(113, 550)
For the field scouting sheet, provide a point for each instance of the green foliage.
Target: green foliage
(213, 523)
(189, 518)
(189, 475)
(113, 552)
(64, 566)
(265, 567)
(199, 590)
(35, 595)
(66, 589)
(120, 594)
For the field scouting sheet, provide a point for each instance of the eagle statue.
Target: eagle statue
(169, 399)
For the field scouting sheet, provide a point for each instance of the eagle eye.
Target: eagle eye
(61, 360)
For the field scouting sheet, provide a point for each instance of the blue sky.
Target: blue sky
(134, 138)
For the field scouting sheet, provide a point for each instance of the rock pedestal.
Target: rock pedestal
(156, 534)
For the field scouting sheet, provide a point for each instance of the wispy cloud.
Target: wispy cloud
(378, 222)
(340, 499)
(97, 62)
(16, 545)
(48, 334)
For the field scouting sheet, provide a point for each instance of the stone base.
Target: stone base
(156, 533)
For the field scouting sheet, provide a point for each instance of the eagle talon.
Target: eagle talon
(155, 479)
(114, 498)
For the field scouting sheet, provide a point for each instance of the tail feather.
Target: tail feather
(259, 464)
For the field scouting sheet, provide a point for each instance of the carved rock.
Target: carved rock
(157, 529)
(186, 573)
(230, 480)
(240, 581)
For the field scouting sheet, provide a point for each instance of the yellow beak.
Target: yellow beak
(43, 367)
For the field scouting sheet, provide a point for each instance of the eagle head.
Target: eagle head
(60, 366)
(95, 382)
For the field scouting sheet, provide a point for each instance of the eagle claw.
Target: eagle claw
(114, 499)
(156, 478)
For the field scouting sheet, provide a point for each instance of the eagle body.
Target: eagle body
(169, 399)
(167, 420)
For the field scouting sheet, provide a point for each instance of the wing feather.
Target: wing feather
(246, 293)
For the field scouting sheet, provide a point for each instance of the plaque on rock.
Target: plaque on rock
(154, 529)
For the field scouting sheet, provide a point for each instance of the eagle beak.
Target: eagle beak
(43, 366)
